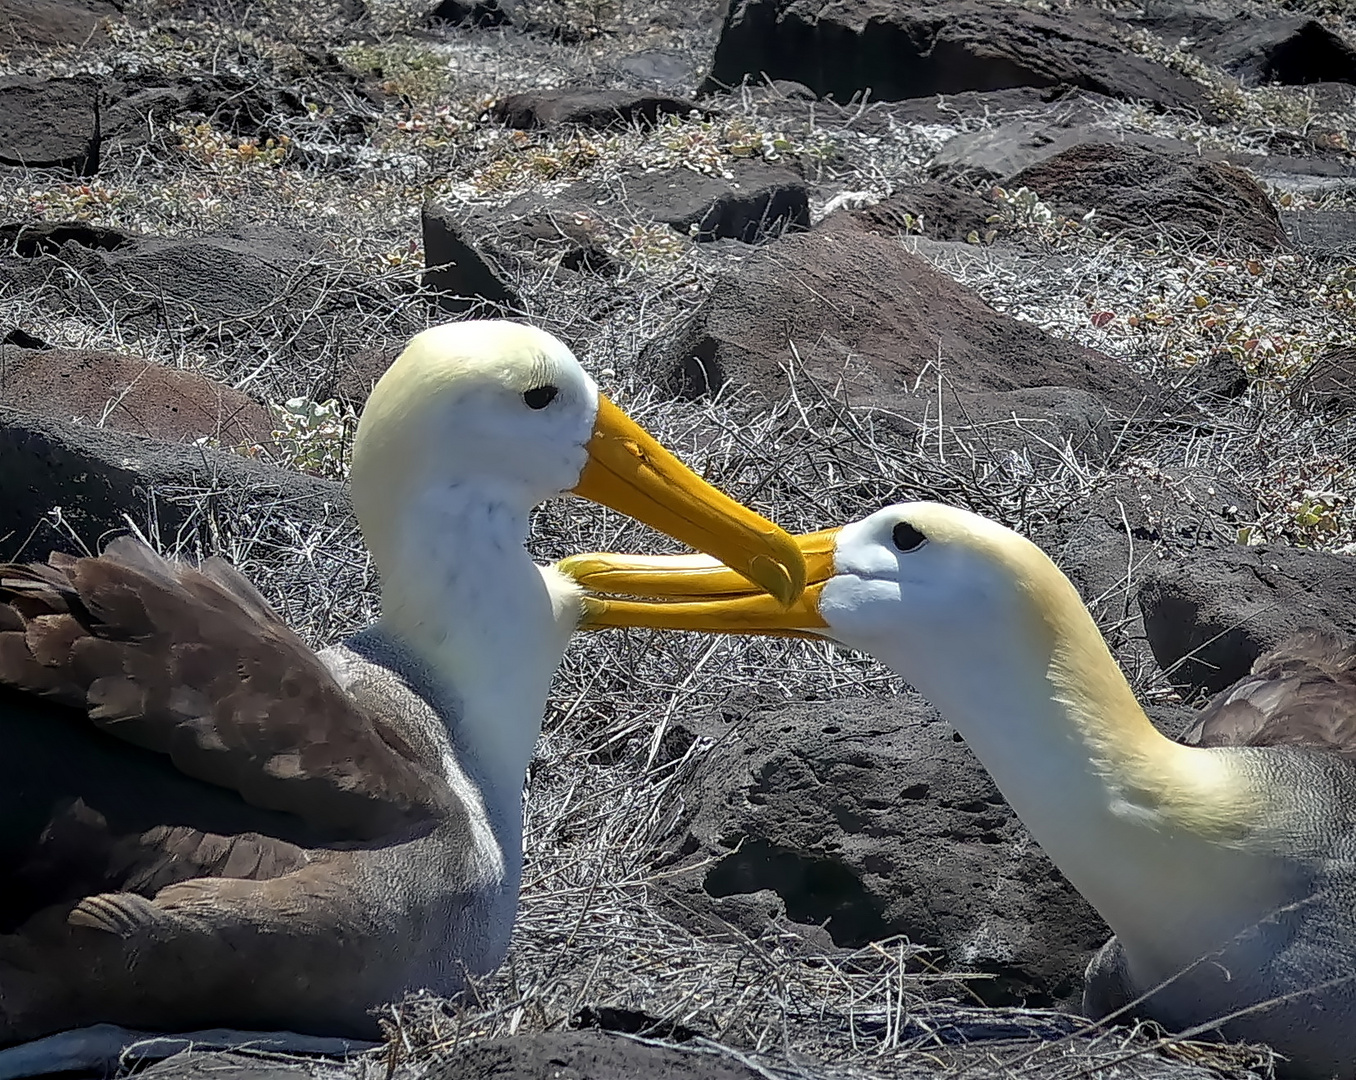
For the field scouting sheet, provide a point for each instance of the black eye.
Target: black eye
(539, 396)
(907, 538)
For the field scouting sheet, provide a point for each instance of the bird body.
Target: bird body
(1225, 864)
(203, 823)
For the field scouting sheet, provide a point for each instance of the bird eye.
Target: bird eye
(539, 396)
(907, 538)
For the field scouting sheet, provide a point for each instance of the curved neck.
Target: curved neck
(1147, 829)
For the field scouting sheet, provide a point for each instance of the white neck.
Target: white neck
(1151, 832)
(463, 594)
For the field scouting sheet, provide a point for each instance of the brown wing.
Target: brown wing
(192, 663)
(1302, 693)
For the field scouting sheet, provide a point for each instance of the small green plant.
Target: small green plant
(79, 201)
(409, 70)
(710, 145)
(1307, 505)
(1023, 209)
(649, 247)
(315, 436)
(530, 159)
(226, 153)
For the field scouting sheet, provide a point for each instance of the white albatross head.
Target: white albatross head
(909, 584)
(504, 415)
(973, 615)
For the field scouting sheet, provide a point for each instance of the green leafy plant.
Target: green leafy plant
(315, 436)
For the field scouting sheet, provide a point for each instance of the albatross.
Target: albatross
(203, 823)
(1224, 863)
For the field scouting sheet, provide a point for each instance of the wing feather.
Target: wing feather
(1302, 693)
(193, 663)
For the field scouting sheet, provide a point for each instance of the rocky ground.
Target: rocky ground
(1087, 268)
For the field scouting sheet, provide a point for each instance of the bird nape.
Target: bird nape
(204, 823)
(1225, 864)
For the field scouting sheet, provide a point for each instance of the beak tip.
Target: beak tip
(783, 582)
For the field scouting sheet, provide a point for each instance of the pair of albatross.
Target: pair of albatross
(202, 822)
(1225, 864)
(205, 824)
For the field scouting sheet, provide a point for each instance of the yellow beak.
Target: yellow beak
(629, 471)
(694, 592)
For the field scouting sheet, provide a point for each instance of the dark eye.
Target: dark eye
(539, 396)
(907, 538)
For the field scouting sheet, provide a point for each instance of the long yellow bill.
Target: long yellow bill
(629, 471)
(695, 592)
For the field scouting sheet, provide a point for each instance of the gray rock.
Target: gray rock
(1149, 194)
(1287, 49)
(854, 307)
(940, 211)
(1328, 233)
(49, 123)
(100, 478)
(860, 819)
(582, 1056)
(128, 394)
(662, 68)
(41, 24)
(758, 201)
(1209, 614)
(1016, 429)
(271, 289)
(1005, 150)
(1328, 385)
(917, 49)
(589, 107)
(464, 277)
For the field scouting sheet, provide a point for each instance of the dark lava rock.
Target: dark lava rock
(269, 287)
(98, 478)
(137, 107)
(1109, 540)
(1210, 614)
(756, 202)
(41, 24)
(127, 394)
(464, 277)
(199, 281)
(49, 123)
(999, 152)
(1329, 233)
(1149, 194)
(28, 240)
(871, 818)
(940, 211)
(918, 49)
(565, 231)
(1288, 50)
(1328, 385)
(1220, 377)
(589, 108)
(581, 1056)
(854, 307)
(482, 13)
(20, 338)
